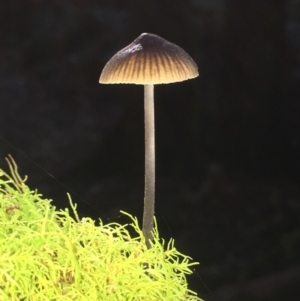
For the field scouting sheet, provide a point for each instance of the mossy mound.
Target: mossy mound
(45, 254)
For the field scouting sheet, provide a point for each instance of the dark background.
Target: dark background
(227, 142)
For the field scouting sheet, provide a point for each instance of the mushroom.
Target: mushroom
(147, 61)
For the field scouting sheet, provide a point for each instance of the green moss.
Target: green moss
(45, 254)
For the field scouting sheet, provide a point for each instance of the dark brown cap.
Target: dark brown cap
(149, 60)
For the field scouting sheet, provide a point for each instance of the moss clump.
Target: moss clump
(45, 254)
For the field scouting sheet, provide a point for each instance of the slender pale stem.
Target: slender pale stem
(149, 164)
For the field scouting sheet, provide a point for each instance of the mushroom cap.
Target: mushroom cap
(149, 60)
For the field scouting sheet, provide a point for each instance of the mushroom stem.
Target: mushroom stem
(149, 164)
